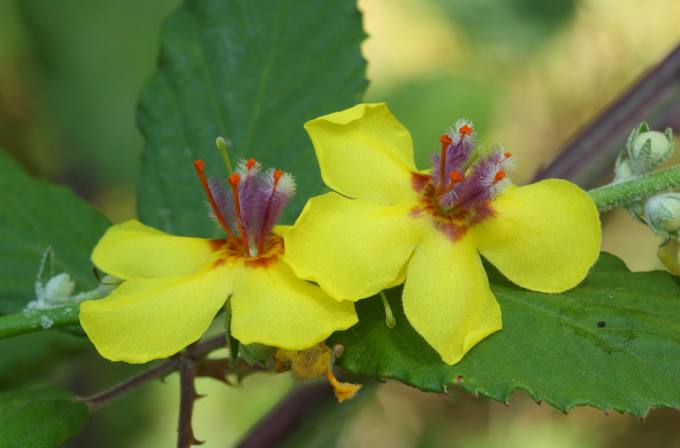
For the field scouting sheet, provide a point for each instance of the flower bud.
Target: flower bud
(59, 288)
(663, 213)
(649, 149)
(623, 169)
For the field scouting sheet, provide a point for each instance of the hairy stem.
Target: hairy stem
(38, 320)
(636, 189)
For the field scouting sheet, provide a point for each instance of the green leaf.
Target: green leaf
(34, 216)
(252, 72)
(39, 418)
(372, 349)
(612, 343)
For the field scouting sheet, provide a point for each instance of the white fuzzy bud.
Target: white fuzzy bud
(663, 213)
(623, 170)
(59, 288)
(648, 150)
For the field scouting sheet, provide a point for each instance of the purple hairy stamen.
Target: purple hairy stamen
(457, 155)
(460, 190)
(277, 190)
(261, 198)
(224, 202)
(248, 190)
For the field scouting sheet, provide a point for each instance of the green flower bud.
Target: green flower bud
(647, 150)
(663, 213)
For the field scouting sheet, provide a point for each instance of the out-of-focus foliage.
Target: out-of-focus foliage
(39, 418)
(71, 78)
(27, 358)
(514, 25)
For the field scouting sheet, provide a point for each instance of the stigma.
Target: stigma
(249, 207)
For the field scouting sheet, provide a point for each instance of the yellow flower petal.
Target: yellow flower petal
(364, 152)
(273, 307)
(544, 237)
(352, 248)
(133, 250)
(146, 319)
(447, 297)
(281, 230)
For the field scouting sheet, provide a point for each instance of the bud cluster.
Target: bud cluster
(645, 151)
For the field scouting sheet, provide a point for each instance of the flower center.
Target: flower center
(230, 252)
(249, 212)
(463, 182)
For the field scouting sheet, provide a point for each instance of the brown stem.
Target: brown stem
(107, 396)
(188, 395)
(195, 352)
(220, 369)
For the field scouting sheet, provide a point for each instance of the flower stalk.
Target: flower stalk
(620, 194)
(37, 320)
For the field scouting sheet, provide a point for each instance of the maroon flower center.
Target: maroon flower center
(463, 182)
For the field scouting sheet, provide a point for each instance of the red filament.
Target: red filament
(199, 166)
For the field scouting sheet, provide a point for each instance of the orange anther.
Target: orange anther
(199, 165)
(234, 179)
(500, 175)
(445, 140)
(251, 163)
(507, 154)
(466, 129)
(456, 177)
(277, 176)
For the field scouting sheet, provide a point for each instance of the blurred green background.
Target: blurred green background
(528, 72)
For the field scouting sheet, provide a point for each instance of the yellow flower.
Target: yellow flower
(174, 286)
(388, 223)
